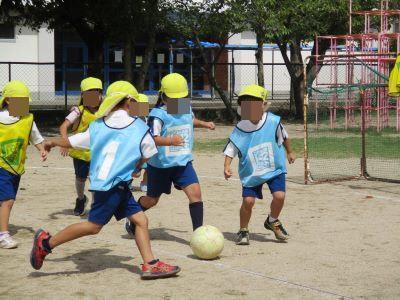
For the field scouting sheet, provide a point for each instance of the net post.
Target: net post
(363, 154)
(305, 110)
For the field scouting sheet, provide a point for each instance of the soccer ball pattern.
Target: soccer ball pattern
(207, 242)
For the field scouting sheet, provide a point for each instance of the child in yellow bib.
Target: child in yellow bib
(15, 134)
(79, 120)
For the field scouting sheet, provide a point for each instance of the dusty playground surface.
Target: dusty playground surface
(344, 242)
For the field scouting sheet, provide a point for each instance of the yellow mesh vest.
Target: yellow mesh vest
(14, 139)
(394, 79)
(86, 118)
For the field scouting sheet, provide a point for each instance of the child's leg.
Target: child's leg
(5, 210)
(147, 202)
(193, 192)
(245, 211)
(142, 235)
(278, 199)
(80, 187)
(144, 179)
(73, 232)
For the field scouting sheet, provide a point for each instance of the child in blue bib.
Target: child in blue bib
(173, 134)
(119, 144)
(259, 140)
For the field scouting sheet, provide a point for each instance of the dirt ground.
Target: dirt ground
(344, 242)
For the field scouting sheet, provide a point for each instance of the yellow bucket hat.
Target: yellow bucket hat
(174, 85)
(116, 92)
(91, 83)
(14, 88)
(143, 98)
(254, 90)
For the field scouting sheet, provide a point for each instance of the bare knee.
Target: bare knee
(140, 219)
(148, 202)
(7, 204)
(248, 202)
(94, 228)
(278, 196)
(80, 179)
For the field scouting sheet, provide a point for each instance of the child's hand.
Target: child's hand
(43, 154)
(136, 174)
(291, 157)
(64, 151)
(47, 145)
(177, 140)
(210, 125)
(227, 173)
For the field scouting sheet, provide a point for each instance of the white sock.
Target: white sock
(271, 219)
(3, 233)
(80, 188)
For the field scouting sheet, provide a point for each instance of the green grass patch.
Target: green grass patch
(377, 145)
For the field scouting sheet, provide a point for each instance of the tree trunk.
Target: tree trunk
(260, 60)
(127, 59)
(207, 69)
(312, 68)
(144, 67)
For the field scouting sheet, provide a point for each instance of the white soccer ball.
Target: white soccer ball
(207, 242)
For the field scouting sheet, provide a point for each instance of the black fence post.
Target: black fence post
(9, 71)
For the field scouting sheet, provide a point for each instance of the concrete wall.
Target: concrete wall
(30, 46)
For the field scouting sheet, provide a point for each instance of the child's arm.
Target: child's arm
(138, 170)
(291, 156)
(56, 142)
(202, 124)
(227, 167)
(175, 140)
(43, 152)
(64, 134)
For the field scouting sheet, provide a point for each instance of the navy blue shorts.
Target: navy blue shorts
(117, 202)
(81, 168)
(160, 180)
(276, 184)
(9, 184)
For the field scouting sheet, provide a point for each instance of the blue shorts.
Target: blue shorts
(117, 202)
(9, 184)
(160, 180)
(81, 168)
(276, 184)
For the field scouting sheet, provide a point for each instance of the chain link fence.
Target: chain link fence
(56, 86)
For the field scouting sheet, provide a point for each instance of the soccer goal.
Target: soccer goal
(352, 126)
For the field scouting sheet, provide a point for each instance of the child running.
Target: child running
(173, 134)
(15, 134)
(119, 145)
(260, 146)
(79, 119)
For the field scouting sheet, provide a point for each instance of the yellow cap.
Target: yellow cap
(174, 85)
(254, 90)
(91, 83)
(143, 98)
(14, 88)
(116, 92)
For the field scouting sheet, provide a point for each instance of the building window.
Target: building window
(7, 31)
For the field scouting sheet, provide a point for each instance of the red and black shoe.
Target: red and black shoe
(39, 252)
(158, 269)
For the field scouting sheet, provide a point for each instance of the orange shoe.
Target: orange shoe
(158, 269)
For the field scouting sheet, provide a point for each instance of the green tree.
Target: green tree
(213, 21)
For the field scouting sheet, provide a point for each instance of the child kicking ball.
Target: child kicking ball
(119, 145)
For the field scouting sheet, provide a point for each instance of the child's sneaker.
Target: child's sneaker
(130, 227)
(80, 205)
(243, 237)
(38, 252)
(7, 242)
(277, 228)
(158, 269)
(143, 187)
